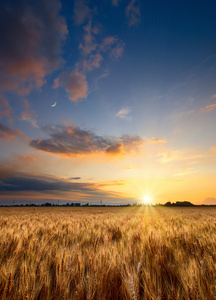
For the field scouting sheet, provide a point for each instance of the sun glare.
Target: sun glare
(146, 200)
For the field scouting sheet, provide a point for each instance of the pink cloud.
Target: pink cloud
(133, 13)
(115, 2)
(117, 51)
(74, 83)
(7, 133)
(5, 108)
(7, 83)
(93, 62)
(108, 41)
(81, 12)
(114, 46)
(89, 42)
(29, 115)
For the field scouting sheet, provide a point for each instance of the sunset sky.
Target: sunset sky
(107, 100)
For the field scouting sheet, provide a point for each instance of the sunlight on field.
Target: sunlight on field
(107, 253)
(147, 200)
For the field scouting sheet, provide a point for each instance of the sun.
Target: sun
(146, 200)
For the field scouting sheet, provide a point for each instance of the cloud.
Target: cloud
(92, 51)
(113, 45)
(115, 2)
(74, 83)
(81, 12)
(5, 108)
(29, 115)
(25, 160)
(31, 36)
(124, 113)
(74, 178)
(174, 155)
(105, 74)
(208, 108)
(213, 96)
(115, 149)
(133, 13)
(71, 140)
(29, 182)
(89, 41)
(8, 84)
(38, 186)
(92, 62)
(7, 133)
(155, 140)
(117, 51)
(108, 42)
(132, 143)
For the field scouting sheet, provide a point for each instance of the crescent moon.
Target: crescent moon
(53, 105)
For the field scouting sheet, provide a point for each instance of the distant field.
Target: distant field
(107, 253)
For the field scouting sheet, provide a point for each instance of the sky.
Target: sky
(110, 101)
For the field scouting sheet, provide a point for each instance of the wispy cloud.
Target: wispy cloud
(81, 12)
(92, 51)
(113, 45)
(189, 113)
(124, 113)
(155, 140)
(208, 108)
(115, 2)
(105, 74)
(133, 13)
(174, 155)
(92, 62)
(89, 43)
(29, 115)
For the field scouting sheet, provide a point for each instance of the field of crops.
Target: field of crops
(108, 253)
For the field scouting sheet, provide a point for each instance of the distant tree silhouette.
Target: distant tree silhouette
(46, 204)
(179, 203)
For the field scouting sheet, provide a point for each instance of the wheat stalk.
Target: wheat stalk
(131, 288)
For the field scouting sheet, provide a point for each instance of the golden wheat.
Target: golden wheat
(107, 253)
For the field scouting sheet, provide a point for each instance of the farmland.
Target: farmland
(107, 253)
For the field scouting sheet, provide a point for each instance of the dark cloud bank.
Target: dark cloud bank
(13, 182)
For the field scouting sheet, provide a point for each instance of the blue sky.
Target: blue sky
(134, 87)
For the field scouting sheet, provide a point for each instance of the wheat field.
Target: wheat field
(107, 253)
